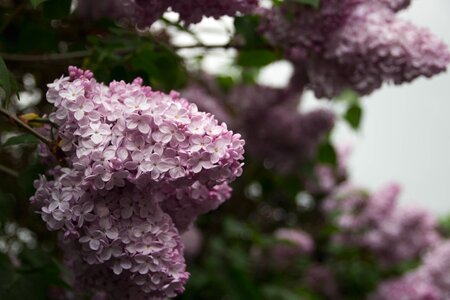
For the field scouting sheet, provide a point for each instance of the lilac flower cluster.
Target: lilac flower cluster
(142, 165)
(326, 178)
(322, 280)
(354, 44)
(144, 12)
(274, 130)
(292, 243)
(431, 281)
(375, 222)
(411, 287)
(193, 241)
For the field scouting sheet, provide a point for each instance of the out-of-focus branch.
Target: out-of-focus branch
(18, 57)
(45, 57)
(8, 171)
(25, 127)
(181, 28)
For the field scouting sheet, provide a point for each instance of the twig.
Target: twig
(18, 57)
(43, 121)
(8, 171)
(182, 28)
(200, 45)
(45, 57)
(11, 17)
(25, 127)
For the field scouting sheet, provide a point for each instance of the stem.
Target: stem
(43, 121)
(11, 17)
(18, 57)
(25, 127)
(8, 171)
(45, 57)
(182, 28)
(200, 45)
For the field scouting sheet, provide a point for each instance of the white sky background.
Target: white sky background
(405, 132)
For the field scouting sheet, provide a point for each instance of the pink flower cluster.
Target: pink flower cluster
(354, 44)
(431, 281)
(376, 223)
(326, 178)
(144, 12)
(142, 165)
(292, 244)
(322, 280)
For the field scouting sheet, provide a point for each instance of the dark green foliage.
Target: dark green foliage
(24, 139)
(7, 83)
(354, 115)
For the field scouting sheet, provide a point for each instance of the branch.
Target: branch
(200, 45)
(182, 28)
(25, 127)
(45, 57)
(8, 171)
(18, 57)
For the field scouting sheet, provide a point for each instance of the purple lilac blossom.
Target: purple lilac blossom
(144, 12)
(322, 280)
(192, 240)
(431, 281)
(354, 44)
(413, 286)
(326, 177)
(209, 98)
(137, 176)
(375, 222)
(436, 266)
(291, 245)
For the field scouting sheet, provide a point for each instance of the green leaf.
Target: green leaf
(327, 154)
(354, 116)
(56, 9)
(247, 29)
(32, 278)
(349, 96)
(164, 69)
(24, 139)
(273, 292)
(225, 82)
(36, 3)
(7, 273)
(313, 3)
(7, 82)
(27, 177)
(256, 58)
(6, 206)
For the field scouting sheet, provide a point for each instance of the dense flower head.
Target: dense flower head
(431, 281)
(141, 166)
(354, 44)
(436, 265)
(291, 245)
(274, 130)
(411, 287)
(326, 177)
(322, 280)
(375, 222)
(192, 240)
(144, 12)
